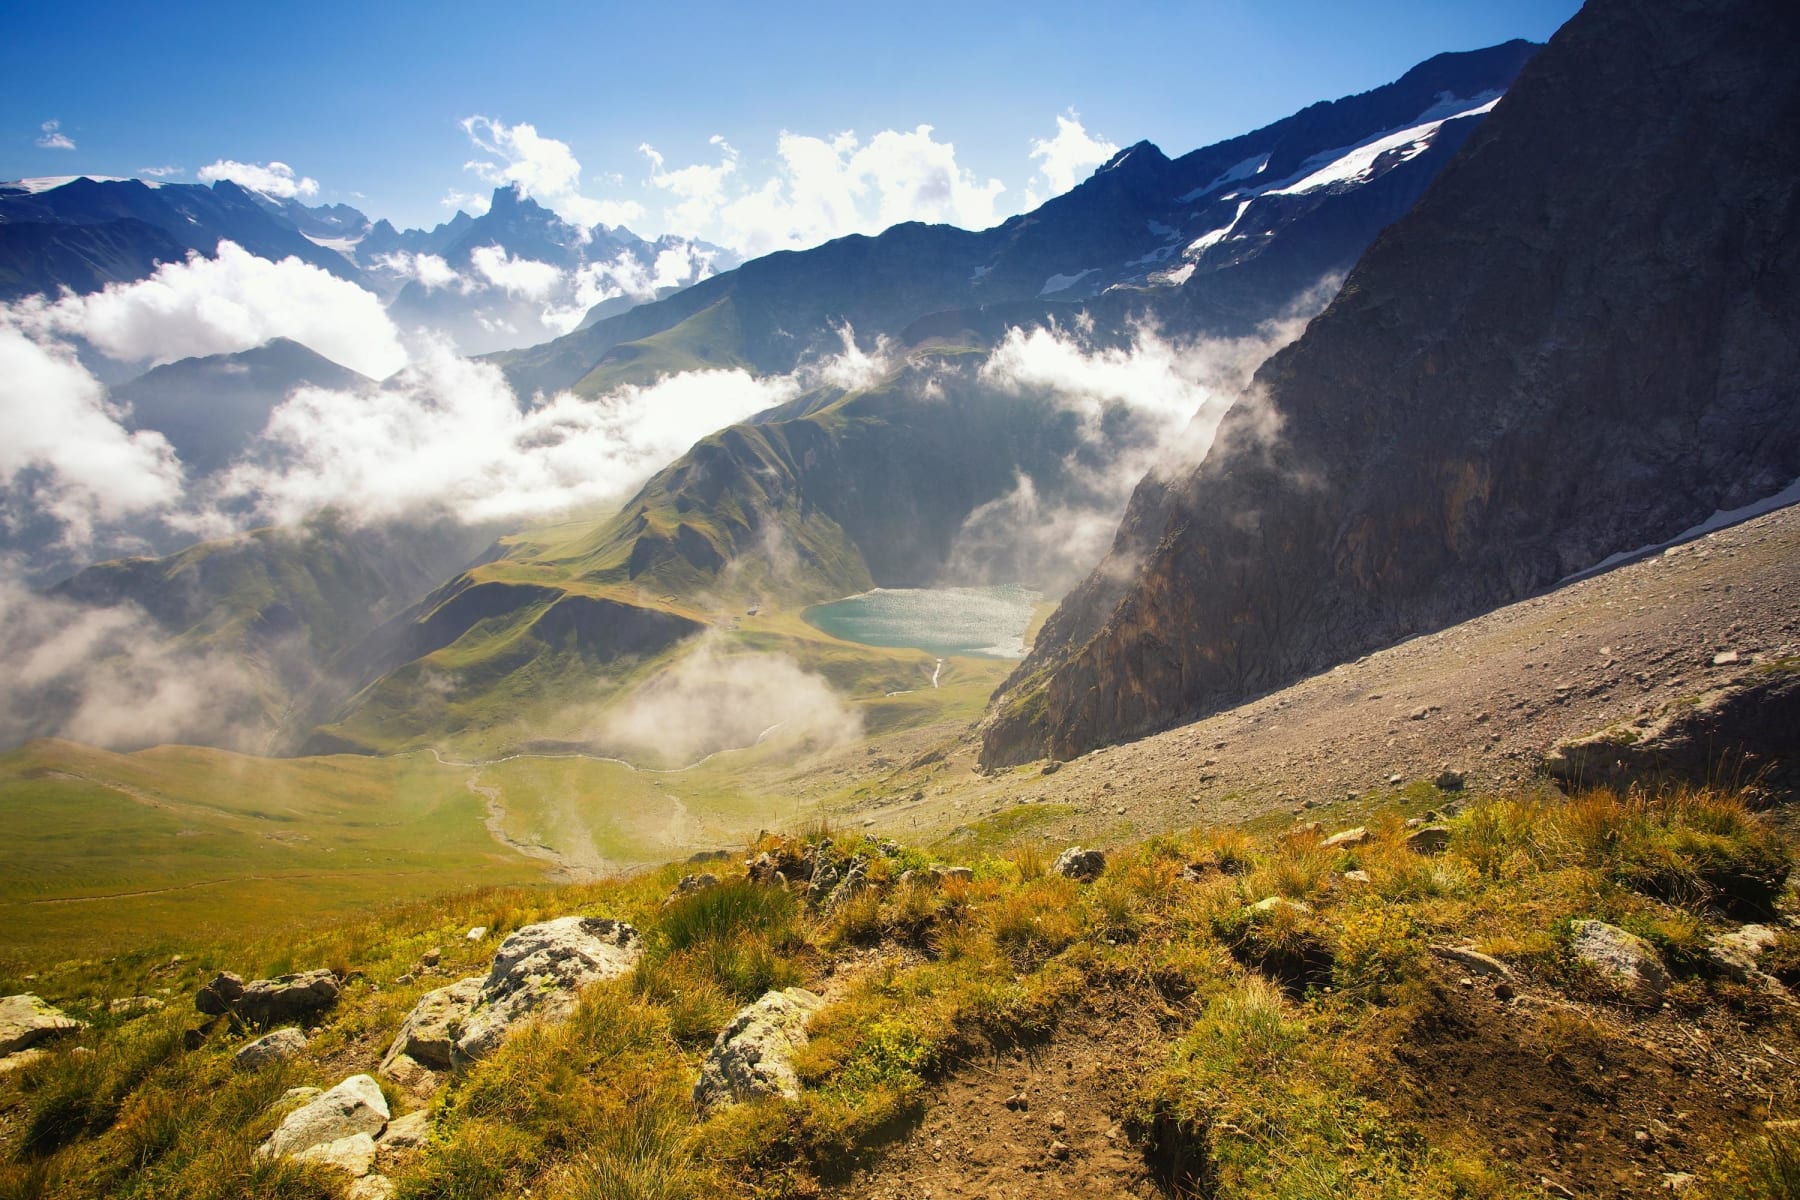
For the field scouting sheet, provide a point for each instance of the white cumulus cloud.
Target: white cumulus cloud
(825, 188)
(543, 167)
(517, 276)
(223, 305)
(53, 138)
(275, 179)
(83, 467)
(1066, 159)
(448, 436)
(430, 270)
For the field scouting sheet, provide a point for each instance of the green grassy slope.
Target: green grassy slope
(109, 850)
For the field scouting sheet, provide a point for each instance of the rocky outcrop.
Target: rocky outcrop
(334, 1128)
(754, 1054)
(267, 1001)
(538, 972)
(275, 1047)
(1577, 343)
(1746, 730)
(26, 1020)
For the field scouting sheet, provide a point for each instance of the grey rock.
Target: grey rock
(1274, 904)
(754, 1054)
(288, 998)
(216, 997)
(856, 878)
(1431, 839)
(1357, 876)
(1728, 732)
(763, 868)
(134, 1006)
(278, 1046)
(538, 972)
(354, 1155)
(1736, 953)
(26, 1020)
(413, 1077)
(1451, 780)
(960, 874)
(1076, 863)
(1349, 837)
(355, 1106)
(370, 1187)
(408, 1132)
(1625, 959)
(431, 1031)
(1473, 961)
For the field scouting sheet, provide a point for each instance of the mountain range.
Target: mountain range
(874, 483)
(1383, 475)
(543, 275)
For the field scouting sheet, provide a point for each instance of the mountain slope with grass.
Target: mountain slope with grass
(1208, 1012)
(836, 492)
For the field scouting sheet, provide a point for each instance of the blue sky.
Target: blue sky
(371, 102)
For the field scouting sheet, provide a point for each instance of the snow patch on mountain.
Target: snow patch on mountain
(1062, 283)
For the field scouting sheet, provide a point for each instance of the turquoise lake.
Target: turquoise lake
(986, 622)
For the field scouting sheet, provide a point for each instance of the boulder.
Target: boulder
(275, 1047)
(1625, 959)
(1076, 863)
(26, 1020)
(1273, 904)
(288, 997)
(354, 1155)
(431, 1030)
(216, 998)
(1432, 839)
(754, 1054)
(764, 868)
(370, 1187)
(1350, 837)
(690, 884)
(537, 972)
(355, 1106)
(960, 874)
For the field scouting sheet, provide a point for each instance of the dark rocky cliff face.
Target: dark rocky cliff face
(1585, 338)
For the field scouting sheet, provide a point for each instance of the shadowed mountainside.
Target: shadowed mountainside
(1580, 341)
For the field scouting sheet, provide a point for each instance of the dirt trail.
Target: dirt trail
(582, 864)
(1035, 1121)
(1487, 697)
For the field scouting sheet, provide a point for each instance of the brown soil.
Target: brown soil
(1033, 1121)
(1585, 1100)
(1489, 697)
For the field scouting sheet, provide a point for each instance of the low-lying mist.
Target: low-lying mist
(109, 676)
(713, 700)
(1174, 391)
